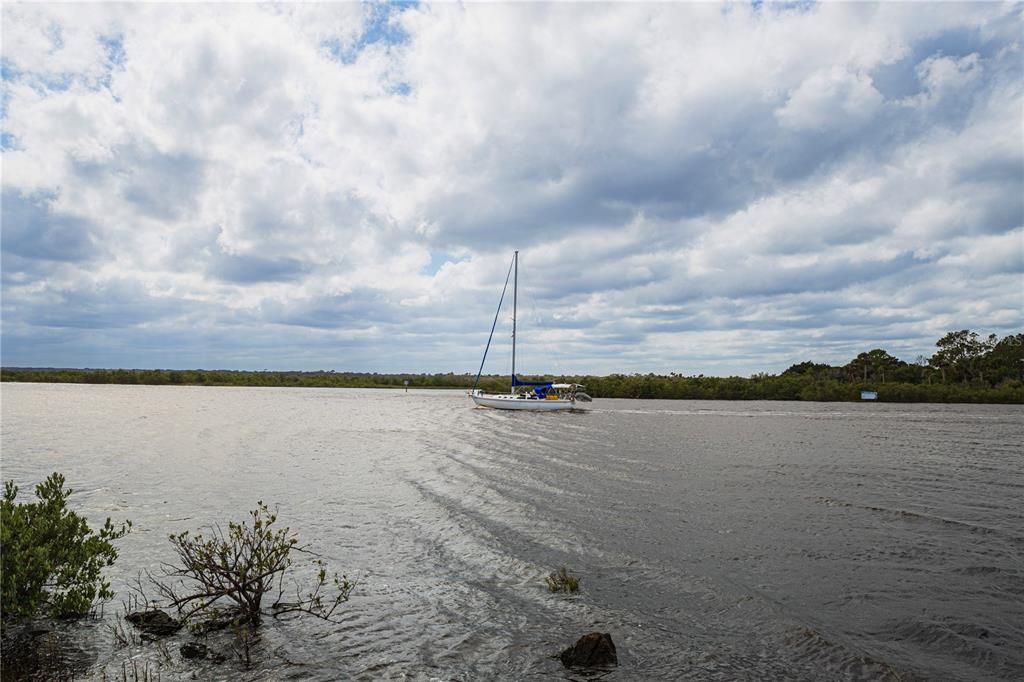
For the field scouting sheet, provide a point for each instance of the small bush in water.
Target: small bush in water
(237, 568)
(562, 581)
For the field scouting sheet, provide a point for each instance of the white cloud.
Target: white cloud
(834, 98)
(945, 76)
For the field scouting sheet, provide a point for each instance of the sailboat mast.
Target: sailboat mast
(515, 300)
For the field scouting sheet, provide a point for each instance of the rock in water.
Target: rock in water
(595, 649)
(153, 622)
(219, 619)
(193, 650)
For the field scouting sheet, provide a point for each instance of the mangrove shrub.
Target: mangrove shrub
(52, 561)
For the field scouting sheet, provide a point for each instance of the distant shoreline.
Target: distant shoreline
(786, 386)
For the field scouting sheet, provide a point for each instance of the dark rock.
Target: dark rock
(594, 649)
(153, 622)
(220, 619)
(193, 650)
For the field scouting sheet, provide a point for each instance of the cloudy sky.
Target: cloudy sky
(697, 188)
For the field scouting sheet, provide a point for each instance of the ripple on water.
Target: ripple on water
(714, 540)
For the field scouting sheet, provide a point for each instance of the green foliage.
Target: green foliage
(562, 581)
(872, 366)
(52, 561)
(1005, 362)
(817, 370)
(239, 568)
(960, 354)
(987, 370)
(219, 377)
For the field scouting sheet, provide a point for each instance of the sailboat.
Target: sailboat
(540, 396)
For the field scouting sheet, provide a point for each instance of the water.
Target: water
(713, 540)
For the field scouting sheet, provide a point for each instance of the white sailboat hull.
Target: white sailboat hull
(511, 402)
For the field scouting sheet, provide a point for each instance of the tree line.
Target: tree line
(965, 367)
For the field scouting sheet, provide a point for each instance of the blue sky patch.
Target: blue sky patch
(401, 89)
(7, 141)
(8, 71)
(56, 35)
(114, 47)
(437, 259)
(380, 29)
(377, 28)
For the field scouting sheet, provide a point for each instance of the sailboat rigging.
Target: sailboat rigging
(524, 395)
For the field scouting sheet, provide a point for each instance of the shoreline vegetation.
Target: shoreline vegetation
(965, 369)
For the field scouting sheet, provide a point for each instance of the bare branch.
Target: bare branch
(241, 565)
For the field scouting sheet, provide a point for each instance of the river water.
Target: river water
(713, 540)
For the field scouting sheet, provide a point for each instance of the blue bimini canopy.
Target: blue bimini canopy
(516, 381)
